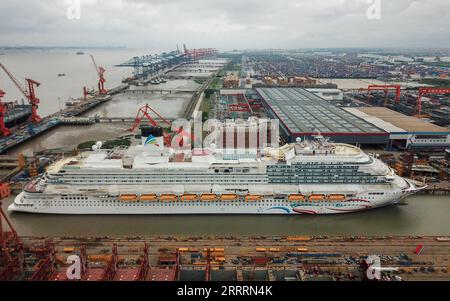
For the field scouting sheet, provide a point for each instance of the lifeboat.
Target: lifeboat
(317, 197)
(228, 197)
(296, 197)
(188, 197)
(128, 197)
(148, 197)
(208, 197)
(336, 197)
(253, 197)
(168, 197)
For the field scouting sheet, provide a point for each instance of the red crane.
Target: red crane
(145, 265)
(198, 53)
(111, 268)
(386, 89)
(47, 266)
(424, 91)
(208, 265)
(101, 77)
(239, 107)
(11, 251)
(30, 94)
(145, 111)
(3, 129)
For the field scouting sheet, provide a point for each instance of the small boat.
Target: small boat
(80, 53)
(61, 74)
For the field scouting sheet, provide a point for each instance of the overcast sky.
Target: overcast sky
(226, 24)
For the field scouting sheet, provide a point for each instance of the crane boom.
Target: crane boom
(15, 81)
(30, 94)
(95, 65)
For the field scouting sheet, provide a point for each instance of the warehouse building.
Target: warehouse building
(304, 114)
(405, 132)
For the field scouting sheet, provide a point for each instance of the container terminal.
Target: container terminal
(228, 258)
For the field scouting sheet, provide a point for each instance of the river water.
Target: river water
(422, 215)
(44, 66)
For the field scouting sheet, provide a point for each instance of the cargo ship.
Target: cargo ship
(306, 177)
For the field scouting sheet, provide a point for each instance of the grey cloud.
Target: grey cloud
(227, 23)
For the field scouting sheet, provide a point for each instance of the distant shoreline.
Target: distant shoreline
(57, 47)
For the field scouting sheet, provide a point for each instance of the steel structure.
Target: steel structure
(46, 267)
(386, 89)
(3, 109)
(208, 265)
(30, 94)
(111, 268)
(194, 54)
(145, 111)
(240, 107)
(145, 265)
(425, 91)
(11, 251)
(152, 64)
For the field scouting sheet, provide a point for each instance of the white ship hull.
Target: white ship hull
(35, 203)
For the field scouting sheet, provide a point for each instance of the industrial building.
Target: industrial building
(304, 114)
(405, 132)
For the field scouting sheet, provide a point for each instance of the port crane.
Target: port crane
(101, 77)
(30, 94)
(11, 250)
(386, 89)
(208, 265)
(425, 91)
(3, 129)
(145, 111)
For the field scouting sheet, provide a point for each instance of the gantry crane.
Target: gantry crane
(30, 94)
(424, 91)
(3, 129)
(198, 53)
(208, 265)
(386, 89)
(101, 77)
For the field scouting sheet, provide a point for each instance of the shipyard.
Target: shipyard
(214, 162)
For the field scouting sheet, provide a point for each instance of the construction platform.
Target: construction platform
(303, 114)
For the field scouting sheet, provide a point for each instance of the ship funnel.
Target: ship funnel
(152, 138)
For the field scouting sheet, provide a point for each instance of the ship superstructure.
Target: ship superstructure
(306, 177)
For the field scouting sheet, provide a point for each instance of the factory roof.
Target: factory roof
(407, 123)
(304, 112)
(388, 127)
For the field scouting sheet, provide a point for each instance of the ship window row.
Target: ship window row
(73, 198)
(312, 167)
(168, 181)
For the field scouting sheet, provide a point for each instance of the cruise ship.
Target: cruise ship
(307, 177)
